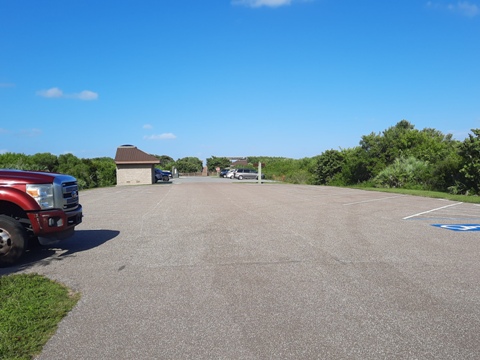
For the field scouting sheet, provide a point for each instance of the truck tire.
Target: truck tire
(240, 177)
(13, 239)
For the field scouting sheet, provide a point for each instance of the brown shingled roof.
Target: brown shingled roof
(129, 154)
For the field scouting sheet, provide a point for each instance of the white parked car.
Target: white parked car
(230, 173)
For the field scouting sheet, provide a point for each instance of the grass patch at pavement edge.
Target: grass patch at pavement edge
(31, 306)
(425, 193)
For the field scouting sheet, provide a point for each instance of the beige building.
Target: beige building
(134, 166)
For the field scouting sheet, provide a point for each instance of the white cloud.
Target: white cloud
(50, 93)
(463, 8)
(3, 151)
(164, 136)
(30, 132)
(147, 126)
(260, 3)
(85, 95)
(58, 93)
(467, 9)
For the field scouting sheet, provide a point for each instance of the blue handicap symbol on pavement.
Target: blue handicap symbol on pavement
(459, 227)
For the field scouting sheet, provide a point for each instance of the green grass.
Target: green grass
(31, 306)
(424, 193)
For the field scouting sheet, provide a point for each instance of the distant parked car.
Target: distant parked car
(162, 175)
(230, 173)
(241, 174)
(224, 172)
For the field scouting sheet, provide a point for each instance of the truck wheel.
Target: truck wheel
(13, 239)
(240, 177)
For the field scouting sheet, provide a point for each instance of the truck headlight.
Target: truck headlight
(42, 193)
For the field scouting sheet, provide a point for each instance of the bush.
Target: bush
(409, 173)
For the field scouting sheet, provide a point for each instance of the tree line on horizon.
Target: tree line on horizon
(399, 157)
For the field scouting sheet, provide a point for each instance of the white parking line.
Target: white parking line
(429, 211)
(378, 199)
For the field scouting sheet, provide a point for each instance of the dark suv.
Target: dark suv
(161, 175)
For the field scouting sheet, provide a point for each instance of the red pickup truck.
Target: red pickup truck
(35, 206)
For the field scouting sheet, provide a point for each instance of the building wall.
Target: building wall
(135, 174)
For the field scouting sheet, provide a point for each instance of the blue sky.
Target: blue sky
(205, 78)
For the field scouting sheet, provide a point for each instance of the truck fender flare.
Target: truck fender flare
(18, 197)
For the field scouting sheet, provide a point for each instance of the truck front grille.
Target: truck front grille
(70, 195)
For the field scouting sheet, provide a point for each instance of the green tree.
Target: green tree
(189, 165)
(165, 160)
(378, 151)
(82, 170)
(470, 169)
(329, 166)
(45, 161)
(446, 173)
(67, 162)
(356, 167)
(17, 161)
(106, 171)
(214, 162)
(431, 145)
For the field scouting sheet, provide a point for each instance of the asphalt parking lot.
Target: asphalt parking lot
(220, 269)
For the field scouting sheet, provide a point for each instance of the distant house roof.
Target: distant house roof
(129, 154)
(240, 162)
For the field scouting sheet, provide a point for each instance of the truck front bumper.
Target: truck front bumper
(56, 224)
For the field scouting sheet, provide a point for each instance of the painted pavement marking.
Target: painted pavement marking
(429, 211)
(459, 227)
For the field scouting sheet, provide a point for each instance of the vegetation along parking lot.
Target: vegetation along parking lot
(400, 157)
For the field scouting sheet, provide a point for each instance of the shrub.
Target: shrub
(404, 173)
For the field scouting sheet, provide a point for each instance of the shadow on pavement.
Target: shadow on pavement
(82, 240)
(163, 182)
